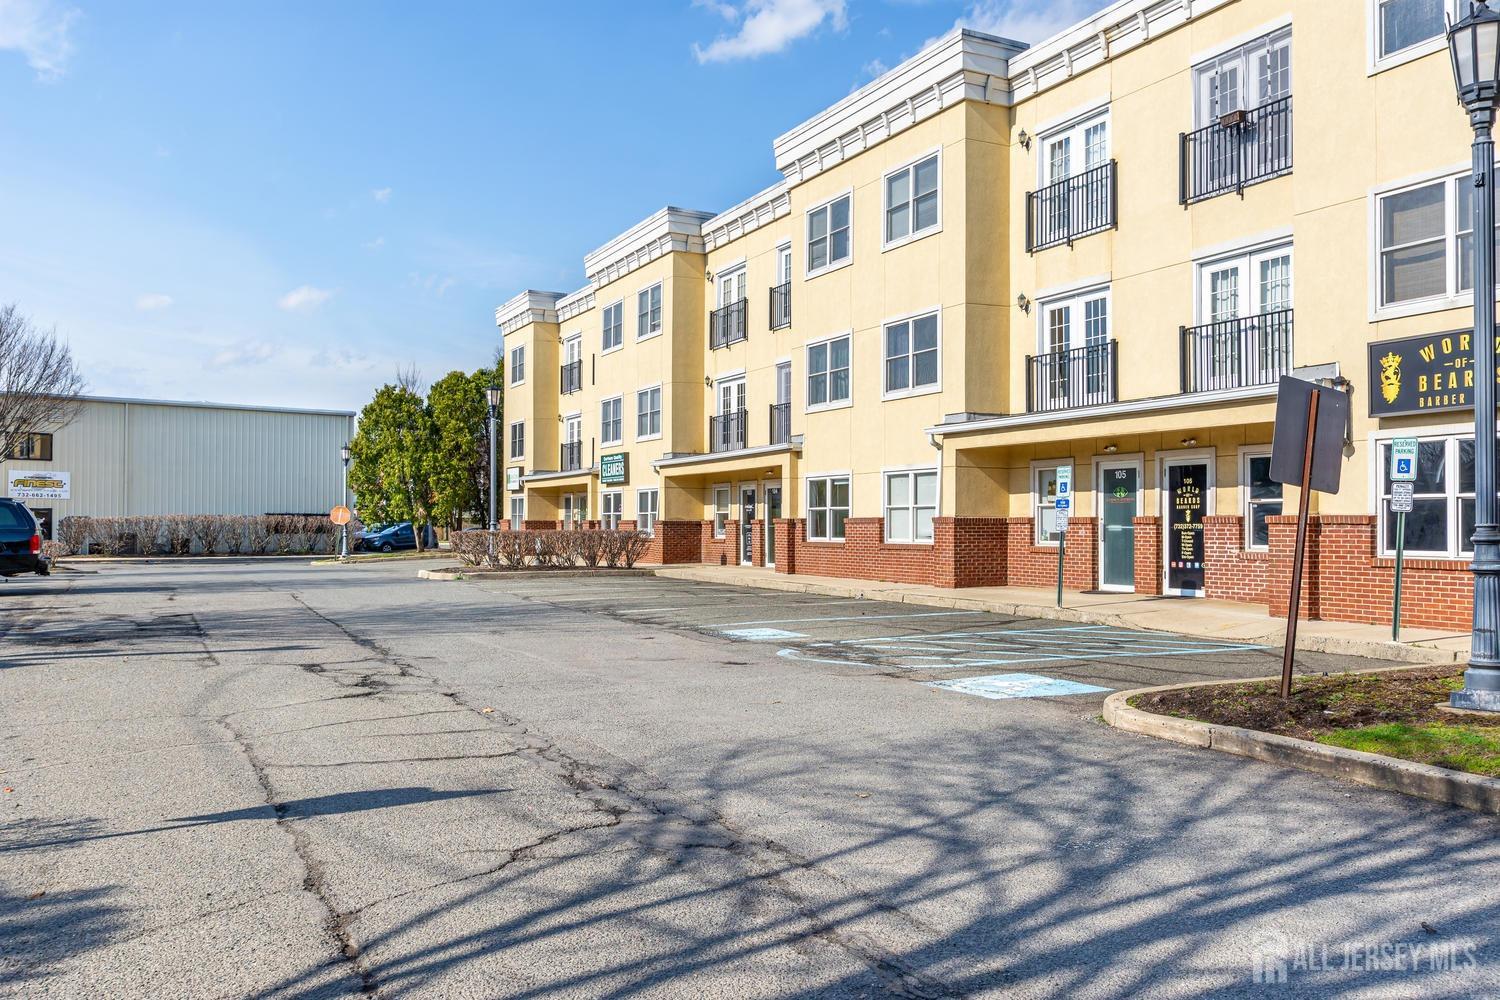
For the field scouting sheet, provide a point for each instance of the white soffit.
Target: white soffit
(669, 230)
(575, 303)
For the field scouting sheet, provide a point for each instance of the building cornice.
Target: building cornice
(574, 303)
(671, 230)
(1131, 408)
(530, 306)
(749, 215)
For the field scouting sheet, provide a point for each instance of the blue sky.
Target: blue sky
(282, 203)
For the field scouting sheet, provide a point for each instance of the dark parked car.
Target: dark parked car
(20, 541)
(399, 536)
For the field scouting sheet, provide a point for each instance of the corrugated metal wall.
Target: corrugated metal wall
(164, 458)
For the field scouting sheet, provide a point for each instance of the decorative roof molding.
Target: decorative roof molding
(530, 306)
(670, 230)
(749, 215)
(575, 303)
(1096, 40)
(963, 65)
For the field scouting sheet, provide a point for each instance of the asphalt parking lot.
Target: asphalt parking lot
(266, 779)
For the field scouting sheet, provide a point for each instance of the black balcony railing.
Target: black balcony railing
(781, 423)
(1074, 207)
(1065, 380)
(571, 459)
(1233, 353)
(1241, 148)
(727, 325)
(726, 432)
(572, 377)
(781, 305)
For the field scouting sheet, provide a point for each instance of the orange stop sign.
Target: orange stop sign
(340, 515)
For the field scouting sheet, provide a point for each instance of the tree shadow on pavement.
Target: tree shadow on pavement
(39, 930)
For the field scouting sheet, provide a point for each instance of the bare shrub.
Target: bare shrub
(472, 547)
(211, 531)
(145, 532)
(258, 529)
(514, 548)
(633, 545)
(177, 533)
(107, 535)
(54, 550)
(236, 533)
(73, 533)
(589, 546)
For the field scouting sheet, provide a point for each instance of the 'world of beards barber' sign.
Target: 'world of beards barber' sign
(1424, 374)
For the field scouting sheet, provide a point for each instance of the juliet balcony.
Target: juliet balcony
(727, 325)
(1071, 379)
(571, 457)
(1242, 148)
(572, 377)
(726, 431)
(1072, 208)
(781, 305)
(1236, 353)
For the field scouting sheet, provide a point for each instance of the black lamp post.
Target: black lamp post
(344, 455)
(1474, 44)
(492, 396)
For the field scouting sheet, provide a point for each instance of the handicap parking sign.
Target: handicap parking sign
(1404, 460)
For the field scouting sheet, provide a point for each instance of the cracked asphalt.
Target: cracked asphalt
(238, 779)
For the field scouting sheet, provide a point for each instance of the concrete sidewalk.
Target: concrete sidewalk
(1189, 616)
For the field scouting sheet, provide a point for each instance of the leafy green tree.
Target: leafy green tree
(390, 465)
(459, 463)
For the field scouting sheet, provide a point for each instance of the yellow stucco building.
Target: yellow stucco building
(1098, 254)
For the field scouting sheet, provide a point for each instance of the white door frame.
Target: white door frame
(1136, 461)
(765, 547)
(746, 552)
(1165, 460)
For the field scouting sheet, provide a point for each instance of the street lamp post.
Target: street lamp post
(344, 454)
(492, 396)
(1474, 45)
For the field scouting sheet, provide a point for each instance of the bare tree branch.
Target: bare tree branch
(410, 379)
(40, 383)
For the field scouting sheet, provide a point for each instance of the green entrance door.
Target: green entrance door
(1119, 493)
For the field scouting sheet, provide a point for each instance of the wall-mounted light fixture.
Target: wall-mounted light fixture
(708, 381)
(1023, 303)
(1025, 140)
(1110, 449)
(1189, 442)
(708, 275)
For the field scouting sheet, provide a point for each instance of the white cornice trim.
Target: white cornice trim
(575, 303)
(530, 306)
(962, 65)
(723, 456)
(1135, 407)
(670, 230)
(749, 215)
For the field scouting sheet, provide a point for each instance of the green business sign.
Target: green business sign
(614, 468)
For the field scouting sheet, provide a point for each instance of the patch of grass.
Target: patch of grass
(1475, 749)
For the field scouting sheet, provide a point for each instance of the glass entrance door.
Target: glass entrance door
(747, 528)
(1186, 498)
(773, 511)
(1119, 501)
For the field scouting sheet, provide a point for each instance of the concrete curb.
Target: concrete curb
(874, 591)
(1470, 791)
(450, 573)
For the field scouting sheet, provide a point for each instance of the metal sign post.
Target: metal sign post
(1403, 478)
(1061, 509)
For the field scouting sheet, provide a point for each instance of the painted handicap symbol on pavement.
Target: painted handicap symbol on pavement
(1000, 686)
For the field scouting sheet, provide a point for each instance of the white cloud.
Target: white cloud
(769, 26)
(382, 195)
(153, 300)
(435, 284)
(1029, 21)
(304, 298)
(38, 29)
(244, 352)
(374, 244)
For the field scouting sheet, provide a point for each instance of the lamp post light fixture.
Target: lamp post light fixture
(492, 396)
(344, 455)
(1474, 44)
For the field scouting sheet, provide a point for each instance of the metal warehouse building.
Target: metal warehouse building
(123, 457)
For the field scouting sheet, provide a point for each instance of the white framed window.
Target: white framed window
(1044, 500)
(1073, 344)
(1425, 245)
(611, 505)
(518, 439)
(609, 421)
(648, 312)
(829, 231)
(648, 413)
(518, 364)
(912, 355)
(1262, 497)
(784, 264)
(646, 510)
(614, 327)
(828, 373)
(912, 201)
(722, 498)
(517, 513)
(827, 507)
(910, 505)
(1244, 78)
(1074, 148)
(1403, 30)
(1441, 522)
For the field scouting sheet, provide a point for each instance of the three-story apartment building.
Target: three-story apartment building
(995, 261)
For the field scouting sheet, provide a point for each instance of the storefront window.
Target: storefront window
(1044, 501)
(1441, 522)
(1262, 500)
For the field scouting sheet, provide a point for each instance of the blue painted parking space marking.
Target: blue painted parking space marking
(847, 618)
(762, 634)
(1001, 686)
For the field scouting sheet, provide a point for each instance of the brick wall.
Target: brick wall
(1032, 565)
(970, 551)
(1230, 572)
(863, 554)
(717, 551)
(1147, 555)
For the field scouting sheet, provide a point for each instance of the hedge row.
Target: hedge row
(210, 534)
(552, 549)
